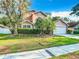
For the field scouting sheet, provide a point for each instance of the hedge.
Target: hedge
(29, 31)
(69, 31)
(76, 32)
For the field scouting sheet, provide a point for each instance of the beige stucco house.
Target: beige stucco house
(73, 26)
(30, 18)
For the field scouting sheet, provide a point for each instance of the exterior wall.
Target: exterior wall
(36, 15)
(25, 24)
(33, 17)
(60, 24)
(40, 15)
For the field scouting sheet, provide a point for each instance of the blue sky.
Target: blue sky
(53, 5)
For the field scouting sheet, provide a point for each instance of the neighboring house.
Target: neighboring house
(4, 30)
(61, 27)
(73, 26)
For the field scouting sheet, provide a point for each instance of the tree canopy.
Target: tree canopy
(46, 24)
(75, 10)
(14, 11)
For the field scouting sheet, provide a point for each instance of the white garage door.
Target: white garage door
(60, 30)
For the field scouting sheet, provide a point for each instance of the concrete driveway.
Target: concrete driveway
(70, 36)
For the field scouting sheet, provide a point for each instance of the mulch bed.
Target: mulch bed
(4, 49)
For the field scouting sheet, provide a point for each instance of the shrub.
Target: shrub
(76, 32)
(29, 31)
(69, 31)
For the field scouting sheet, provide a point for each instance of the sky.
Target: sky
(53, 5)
(60, 8)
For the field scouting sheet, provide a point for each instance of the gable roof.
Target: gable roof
(42, 13)
(62, 21)
(38, 12)
(73, 24)
(33, 12)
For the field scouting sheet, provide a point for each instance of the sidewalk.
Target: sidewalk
(43, 53)
(61, 50)
(37, 54)
(70, 36)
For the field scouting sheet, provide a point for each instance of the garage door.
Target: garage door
(60, 30)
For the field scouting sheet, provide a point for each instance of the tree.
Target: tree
(50, 25)
(15, 9)
(56, 18)
(39, 24)
(75, 10)
(4, 21)
(46, 24)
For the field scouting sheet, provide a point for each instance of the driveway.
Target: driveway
(69, 35)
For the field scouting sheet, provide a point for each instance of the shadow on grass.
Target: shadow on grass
(19, 36)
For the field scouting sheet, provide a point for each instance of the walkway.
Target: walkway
(43, 53)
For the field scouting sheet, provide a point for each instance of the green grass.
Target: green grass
(76, 34)
(32, 42)
(74, 55)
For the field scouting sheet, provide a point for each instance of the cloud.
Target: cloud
(65, 14)
(61, 14)
(76, 18)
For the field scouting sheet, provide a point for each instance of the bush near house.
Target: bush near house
(69, 31)
(29, 31)
(76, 32)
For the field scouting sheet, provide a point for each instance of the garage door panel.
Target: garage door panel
(60, 30)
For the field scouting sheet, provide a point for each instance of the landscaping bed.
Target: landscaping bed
(30, 42)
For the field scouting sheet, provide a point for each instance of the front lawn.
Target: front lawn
(76, 34)
(74, 55)
(11, 44)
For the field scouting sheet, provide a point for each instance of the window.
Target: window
(0, 12)
(26, 26)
